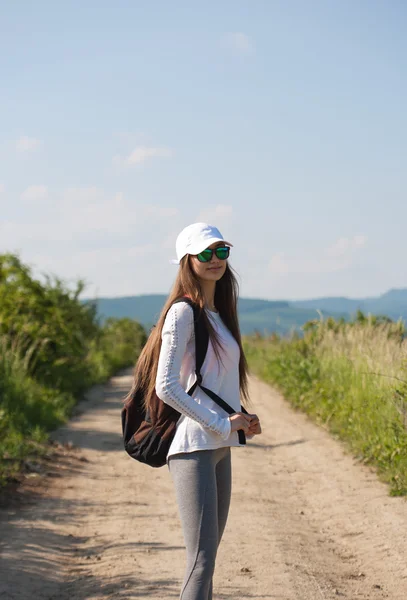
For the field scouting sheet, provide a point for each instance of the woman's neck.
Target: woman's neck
(208, 288)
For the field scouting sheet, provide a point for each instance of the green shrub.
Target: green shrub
(118, 345)
(52, 348)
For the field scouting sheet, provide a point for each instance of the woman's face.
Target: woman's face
(212, 270)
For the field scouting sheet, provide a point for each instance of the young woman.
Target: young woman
(199, 456)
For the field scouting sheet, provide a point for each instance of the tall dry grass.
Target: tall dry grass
(352, 379)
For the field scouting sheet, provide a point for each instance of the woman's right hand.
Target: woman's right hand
(238, 421)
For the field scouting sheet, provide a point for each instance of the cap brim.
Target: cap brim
(173, 261)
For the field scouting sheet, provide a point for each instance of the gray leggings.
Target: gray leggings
(202, 485)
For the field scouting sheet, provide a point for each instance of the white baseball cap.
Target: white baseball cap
(195, 238)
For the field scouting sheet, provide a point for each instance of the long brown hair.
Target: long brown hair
(187, 284)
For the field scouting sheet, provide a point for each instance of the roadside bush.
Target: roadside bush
(52, 348)
(117, 345)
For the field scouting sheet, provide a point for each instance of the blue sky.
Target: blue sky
(283, 123)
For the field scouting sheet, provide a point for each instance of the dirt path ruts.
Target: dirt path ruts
(307, 522)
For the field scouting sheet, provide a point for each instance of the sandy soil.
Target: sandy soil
(307, 521)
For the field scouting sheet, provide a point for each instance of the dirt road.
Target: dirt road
(307, 522)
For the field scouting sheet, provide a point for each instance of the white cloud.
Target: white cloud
(27, 144)
(108, 257)
(141, 154)
(337, 257)
(108, 270)
(161, 211)
(215, 214)
(359, 241)
(238, 43)
(34, 193)
(90, 212)
(278, 264)
(2, 188)
(345, 245)
(83, 218)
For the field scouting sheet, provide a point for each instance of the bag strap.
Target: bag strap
(201, 336)
(201, 347)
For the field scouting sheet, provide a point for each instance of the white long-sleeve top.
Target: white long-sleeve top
(203, 425)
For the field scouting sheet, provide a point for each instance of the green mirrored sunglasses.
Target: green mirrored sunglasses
(206, 255)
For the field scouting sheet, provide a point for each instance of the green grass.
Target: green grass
(27, 411)
(351, 379)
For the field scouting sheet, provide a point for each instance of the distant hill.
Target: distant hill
(265, 316)
(145, 309)
(279, 317)
(393, 304)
